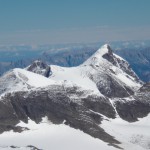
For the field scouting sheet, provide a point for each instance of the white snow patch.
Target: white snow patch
(133, 136)
(74, 76)
(55, 137)
(119, 57)
(33, 79)
(127, 81)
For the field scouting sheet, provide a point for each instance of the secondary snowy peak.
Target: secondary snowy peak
(40, 67)
(21, 79)
(32, 79)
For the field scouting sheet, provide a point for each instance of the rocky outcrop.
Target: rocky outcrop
(132, 110)
(69, 105)
(109, 87)
(120, 62)
(145, 87)
(80, 113)
(136, 106)
(40, 67)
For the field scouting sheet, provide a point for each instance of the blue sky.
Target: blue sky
(69, 21)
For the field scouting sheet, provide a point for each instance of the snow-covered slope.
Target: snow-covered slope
(131, 135)
(32, 79)
(75, 76)
(100, 74)
(106, 62)
(48, 136)
(86, 107)
(20, 80)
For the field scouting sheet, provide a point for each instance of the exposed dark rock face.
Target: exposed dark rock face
(137, 106)
(12, 127)
(112, 88)
(121, 63)
(102, 106)
(68, 104)
(132, 110)
(145, 87)
(57, 105)
(8, 116)
(40, 67)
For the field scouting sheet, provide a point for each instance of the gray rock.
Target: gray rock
(40, 67)
(58, 106)
(145, 87)
(111, 88)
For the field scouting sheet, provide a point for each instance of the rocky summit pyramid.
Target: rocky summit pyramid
(102, 97)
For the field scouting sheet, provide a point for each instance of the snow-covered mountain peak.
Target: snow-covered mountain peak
(32, 79)
(104, 59)
(107, 69)
(98, 58)
(105, 49)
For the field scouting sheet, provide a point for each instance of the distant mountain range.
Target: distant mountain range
(137, 53)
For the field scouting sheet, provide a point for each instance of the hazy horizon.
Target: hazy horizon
(67, 21)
